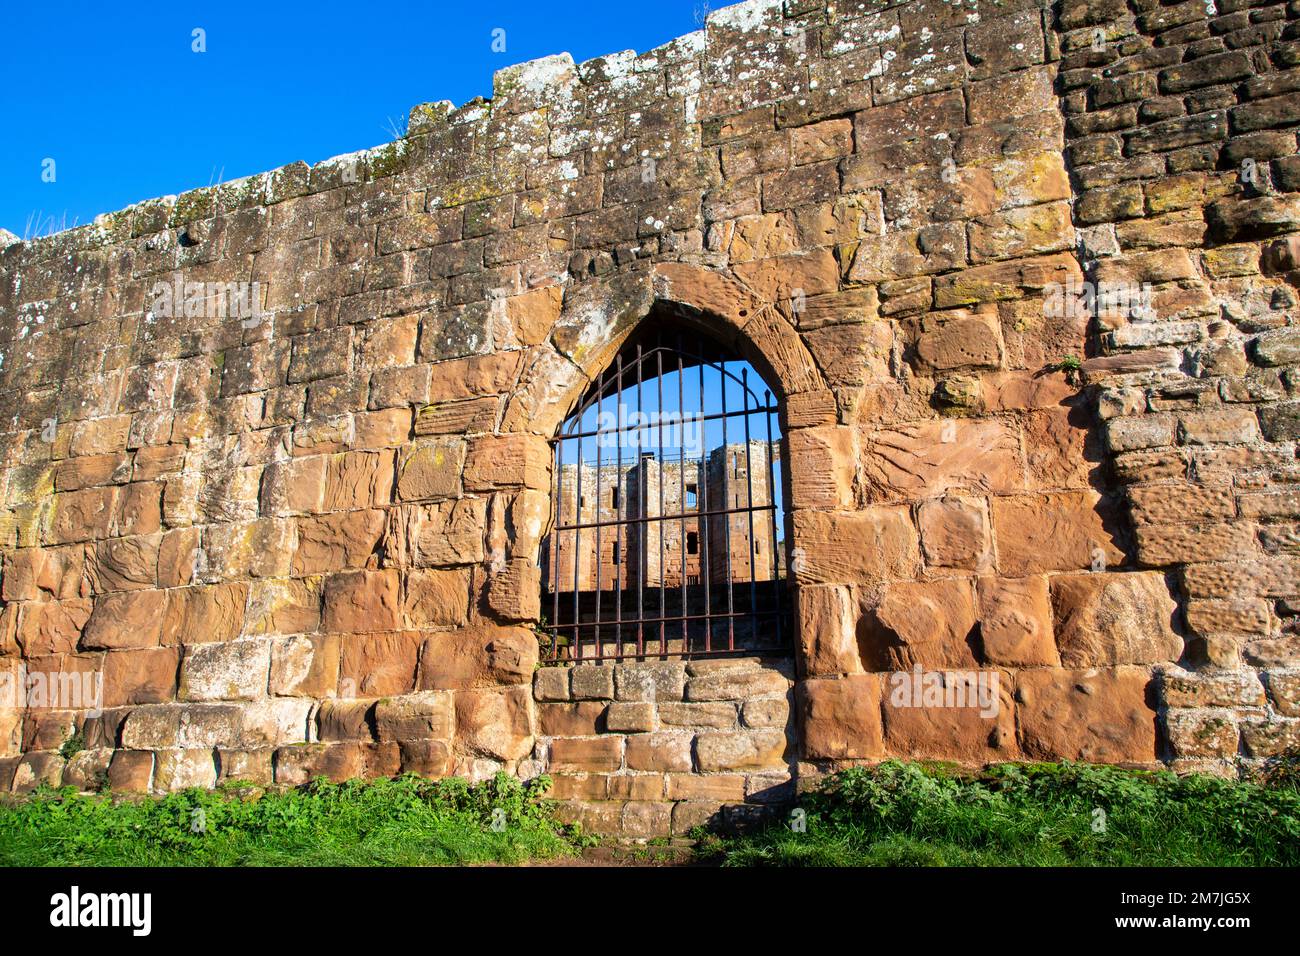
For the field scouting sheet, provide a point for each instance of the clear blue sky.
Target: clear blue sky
(112, 92)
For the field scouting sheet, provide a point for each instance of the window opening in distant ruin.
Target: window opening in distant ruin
(685, 556)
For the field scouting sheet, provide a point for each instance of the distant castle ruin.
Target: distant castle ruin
(646, 522)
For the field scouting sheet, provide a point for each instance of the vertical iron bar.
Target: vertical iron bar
(681, 469)
(577, 556)
(558, 498)
(701, 523)
(771, 500)
(600, 398)
(661, 458)
(619, 511)
(641, 503)
(749, 508)
(726, 489)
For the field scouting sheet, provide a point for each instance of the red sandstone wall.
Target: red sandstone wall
(307, 544)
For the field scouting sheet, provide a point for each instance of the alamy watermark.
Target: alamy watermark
(1075, 299)
(208, 300)
(955, 689)
(52, 690)
(640, 430)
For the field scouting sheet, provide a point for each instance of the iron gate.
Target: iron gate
(678, 550)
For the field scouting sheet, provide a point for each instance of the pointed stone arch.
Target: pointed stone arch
(599, 315)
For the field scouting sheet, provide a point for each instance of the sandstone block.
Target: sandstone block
(415, 717)
(140, 676)
(431, 469)
(131, 771)
(736, 684)
(827, 617)
(749, 750)
(234, 670)
(495, 723)
(1114, 618)
(855, 547)
(955, 533)
(337, 541)
(360, 601)
(551, 683)
(204, 614)
(841, 719)
(650, 681)
(1103, 716)
(433, 598)
(378, 664)
(480, 656)
(930, 623)
(1055, 531)
(969, 719)
(581, 719)
(630, 717)
(578, 754)
(664, 753)
(592, 682)
(1016, 622)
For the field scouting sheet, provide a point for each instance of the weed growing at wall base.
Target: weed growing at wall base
(907, 814)
(408, 821)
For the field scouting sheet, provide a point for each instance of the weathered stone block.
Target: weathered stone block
(749, 750)
(841, 718)
(955, 533)
(1016, 622)
(1105, 619)
(855, 548)
(630, 717)
(480, 656)
(577, 754)
(415, 717)
(235, 670)
(495, 723)
(360, 601)
(664, 753)
(827, 618)
(930, 623)
(1098, 715)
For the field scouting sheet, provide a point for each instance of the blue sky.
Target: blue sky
(115, 96)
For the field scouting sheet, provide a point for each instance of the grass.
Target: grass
(906, 814)
(404, 822)
(894, 814)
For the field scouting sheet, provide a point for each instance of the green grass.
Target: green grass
(895, 814)
(906, 814)
(404, 822)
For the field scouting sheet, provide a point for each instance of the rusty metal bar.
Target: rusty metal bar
(726, 484)
(713, 417)
(558, 497)
(739, 510)
(577, 557)
(659, 480)
(749, 498)
(681, 472)
(620, 508)
(771, 498)
(641, 497)
(600, 397)
(702, 520)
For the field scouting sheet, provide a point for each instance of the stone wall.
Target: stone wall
(1182, 141)
(305, 541)
(652, 747)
